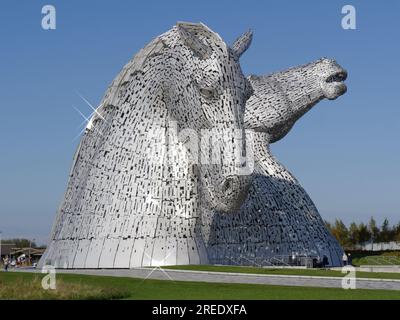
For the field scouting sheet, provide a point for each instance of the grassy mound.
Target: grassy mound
(31, 289)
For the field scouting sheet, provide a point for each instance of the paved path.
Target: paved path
(205, 276)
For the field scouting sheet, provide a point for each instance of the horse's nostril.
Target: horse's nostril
(337, 77)
(230, 184)
(227, 185)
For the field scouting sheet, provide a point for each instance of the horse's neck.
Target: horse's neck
(266, 163)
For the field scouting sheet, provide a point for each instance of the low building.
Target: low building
(6, 249)
(31, 255)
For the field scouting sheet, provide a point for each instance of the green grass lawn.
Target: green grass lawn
(376, 257)
(285, 271)
(14, 285)
(378, 260)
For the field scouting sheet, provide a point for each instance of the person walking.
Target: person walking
(345, 259)
(6, 263)
(325, 261)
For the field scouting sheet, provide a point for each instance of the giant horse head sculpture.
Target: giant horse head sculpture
(278, 220)
(139, 180)
(162, 163)
(280, 99)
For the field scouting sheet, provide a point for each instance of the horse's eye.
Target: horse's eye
(208, 93)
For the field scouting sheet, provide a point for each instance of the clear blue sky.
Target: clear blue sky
(345, 153)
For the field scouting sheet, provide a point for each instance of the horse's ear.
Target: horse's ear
(198, 38)
(242, 43)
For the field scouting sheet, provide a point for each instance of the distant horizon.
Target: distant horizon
(344, 152)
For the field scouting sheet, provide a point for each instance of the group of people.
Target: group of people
(347, 259)
(15, 262)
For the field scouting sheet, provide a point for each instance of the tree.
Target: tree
(340, 232)
(397, 233)
(392, 233)
(363, 233)
(373, 229)
(21, 243)
(385, 232)
(354, 235)
(329, 226)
